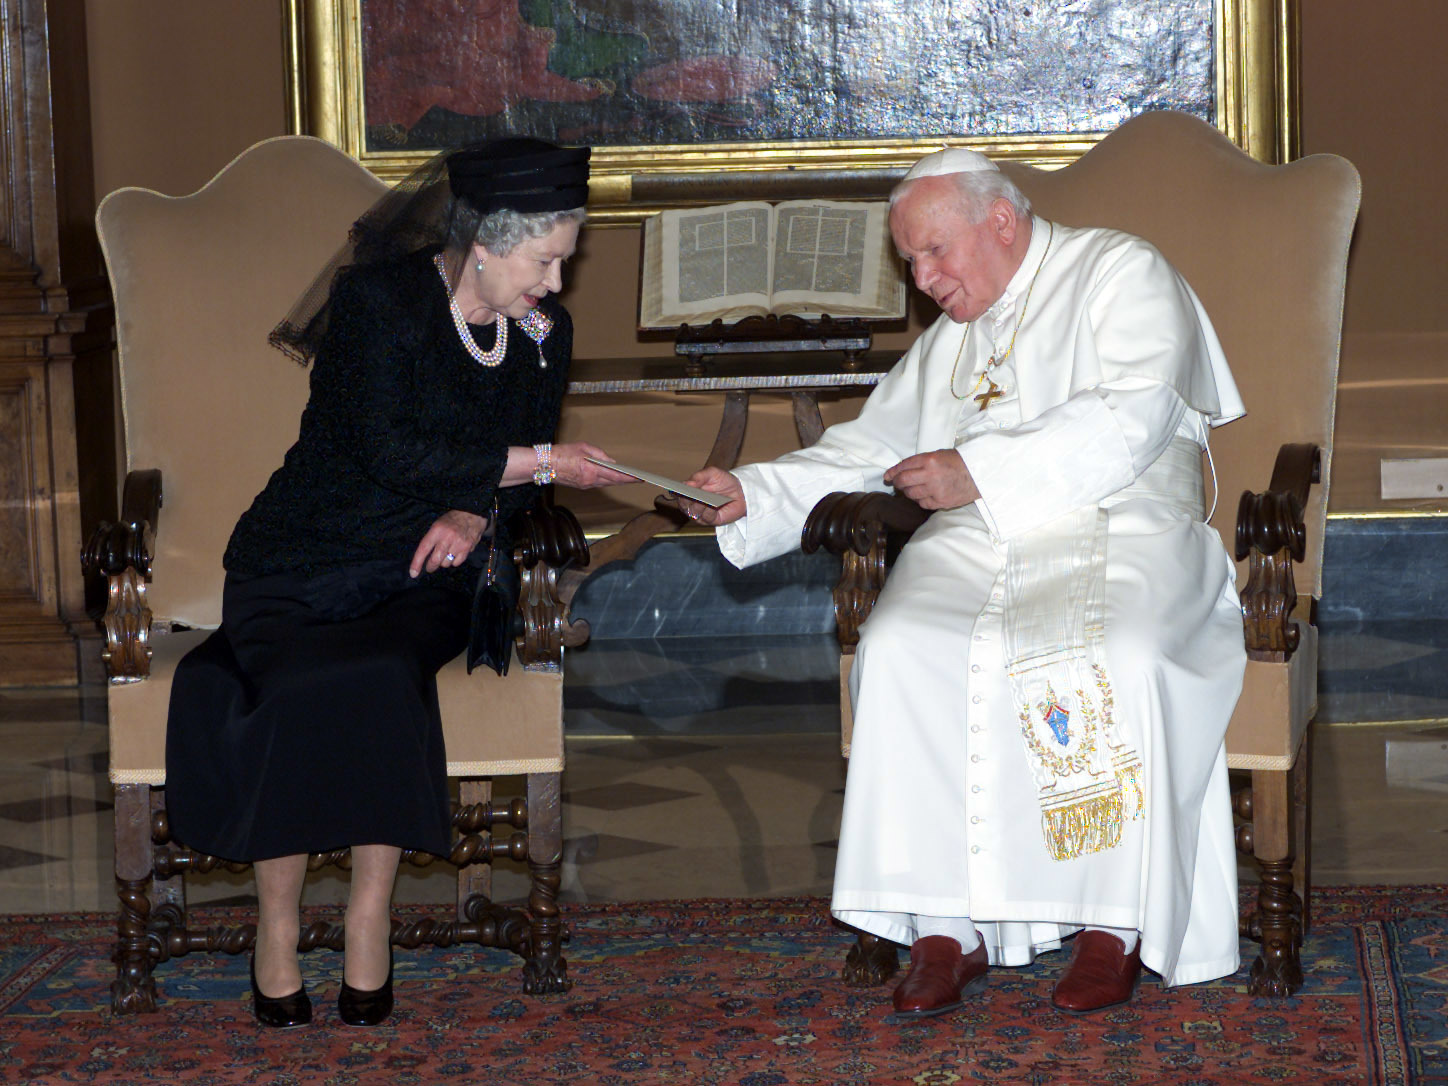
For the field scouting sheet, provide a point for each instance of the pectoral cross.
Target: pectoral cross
(992, 392)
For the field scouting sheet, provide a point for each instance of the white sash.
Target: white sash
(1089, 780)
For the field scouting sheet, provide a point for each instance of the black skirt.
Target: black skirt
(309, 720)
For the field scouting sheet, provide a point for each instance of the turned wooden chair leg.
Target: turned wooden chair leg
(134, 989)
(871, 961)
(475, 880)
(1278, 968)
(545, 970)
(168, 895)
(1302, 823)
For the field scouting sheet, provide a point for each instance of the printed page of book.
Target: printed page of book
(836, 258)
(712, 262)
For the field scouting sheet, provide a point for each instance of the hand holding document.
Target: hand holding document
(663, 482)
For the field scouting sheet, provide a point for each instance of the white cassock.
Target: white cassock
(1115, 369)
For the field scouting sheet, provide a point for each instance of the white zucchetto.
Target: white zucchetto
(949, 160)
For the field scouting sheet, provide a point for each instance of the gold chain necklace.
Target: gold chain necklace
(994, 391)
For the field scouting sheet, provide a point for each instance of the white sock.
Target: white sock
(1128, 936)
(958, 928)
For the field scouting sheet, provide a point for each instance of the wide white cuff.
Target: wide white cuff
(1073, 455)
(778, 497)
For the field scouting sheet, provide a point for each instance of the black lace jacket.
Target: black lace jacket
(401, 426)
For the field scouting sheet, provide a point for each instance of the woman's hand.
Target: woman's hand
(716, 481)
(448, 542)
(573, 470)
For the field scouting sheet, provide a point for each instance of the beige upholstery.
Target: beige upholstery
(1265, 248)
(199, 281)
(1284, 695)
(479, 744)
(198, 285)
(137, 712)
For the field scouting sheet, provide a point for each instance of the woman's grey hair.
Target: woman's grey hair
(500, 232)
(978, 189)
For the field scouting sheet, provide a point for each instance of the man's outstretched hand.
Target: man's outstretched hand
(716, 481)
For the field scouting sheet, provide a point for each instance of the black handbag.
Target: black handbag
(496, 622)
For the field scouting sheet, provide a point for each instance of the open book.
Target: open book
(804, 257)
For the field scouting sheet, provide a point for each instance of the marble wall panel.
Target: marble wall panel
(684, 588)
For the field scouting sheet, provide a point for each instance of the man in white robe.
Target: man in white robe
(1042, 691)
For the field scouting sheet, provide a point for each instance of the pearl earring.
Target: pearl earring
(480, 263)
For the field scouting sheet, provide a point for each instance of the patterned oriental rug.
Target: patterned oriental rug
(742, 993)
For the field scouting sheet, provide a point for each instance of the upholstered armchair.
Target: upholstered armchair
(209, 409)
(1265, 248)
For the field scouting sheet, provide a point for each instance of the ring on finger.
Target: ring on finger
(449, 557)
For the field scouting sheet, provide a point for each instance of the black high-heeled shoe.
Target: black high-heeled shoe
(359, 1008)
(281, 1013)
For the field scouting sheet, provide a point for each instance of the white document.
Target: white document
(663, 482)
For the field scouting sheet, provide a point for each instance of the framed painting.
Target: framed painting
(690, 101)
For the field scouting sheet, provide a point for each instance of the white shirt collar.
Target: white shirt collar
(1021, 280)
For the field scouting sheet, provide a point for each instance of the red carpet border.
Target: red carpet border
(744, 993)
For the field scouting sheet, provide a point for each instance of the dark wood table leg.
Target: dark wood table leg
(807, 420)
(730, 439)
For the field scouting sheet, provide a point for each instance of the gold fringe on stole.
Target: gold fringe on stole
(1128, 781)
(1089, 781)
(1079, 829)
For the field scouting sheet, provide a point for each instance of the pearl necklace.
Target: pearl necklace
(489, 357)
(994, 391)
(535, 324)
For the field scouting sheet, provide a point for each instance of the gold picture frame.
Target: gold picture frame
(1255, 70)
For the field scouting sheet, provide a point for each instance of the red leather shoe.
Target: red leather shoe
(1100, 973)
(940, 976)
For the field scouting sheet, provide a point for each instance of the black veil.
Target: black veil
(441, 203)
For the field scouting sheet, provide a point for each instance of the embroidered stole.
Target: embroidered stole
(1089, 780)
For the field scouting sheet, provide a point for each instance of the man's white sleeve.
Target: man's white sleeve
(779, 496)
(1072, 455)
(854, 455)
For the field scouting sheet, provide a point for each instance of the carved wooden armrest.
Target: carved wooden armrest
(866, 529)
(1271, 529)
(548, 541)
(122, 552)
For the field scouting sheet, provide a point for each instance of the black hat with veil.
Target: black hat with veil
(442, 203)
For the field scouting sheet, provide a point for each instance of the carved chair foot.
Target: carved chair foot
(133, 995)
(546, 973)
(1277, 972)
(544, 970)
(871, 962)
(134, 989)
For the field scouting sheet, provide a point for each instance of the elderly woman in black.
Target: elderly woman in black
(309, 721)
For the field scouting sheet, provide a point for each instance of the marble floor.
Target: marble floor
(718, 774)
